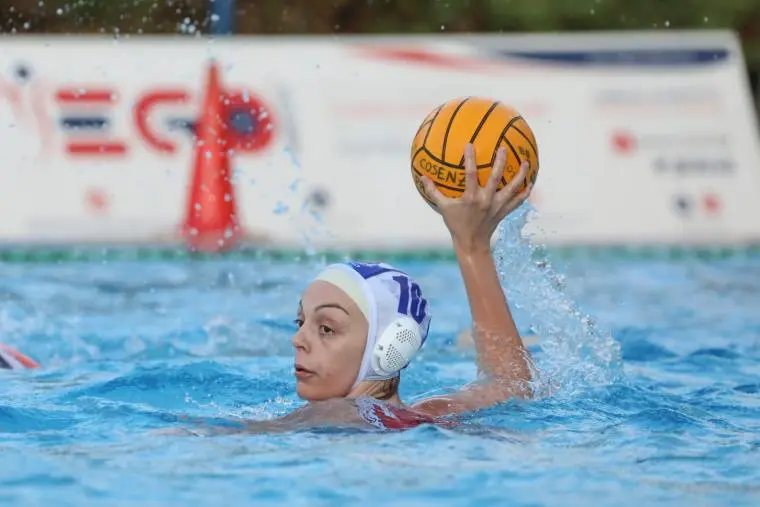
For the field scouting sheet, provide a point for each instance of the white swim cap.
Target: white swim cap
(395, 309)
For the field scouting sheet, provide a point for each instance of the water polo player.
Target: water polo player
(359, 325)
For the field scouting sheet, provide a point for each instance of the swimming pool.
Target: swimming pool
(667, 414)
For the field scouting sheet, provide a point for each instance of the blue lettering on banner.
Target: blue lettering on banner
(626, 57)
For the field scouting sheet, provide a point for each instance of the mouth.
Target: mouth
(302, 372)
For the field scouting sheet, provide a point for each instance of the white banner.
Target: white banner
(643, 138)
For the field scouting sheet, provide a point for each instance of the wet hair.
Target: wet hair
(387, 388)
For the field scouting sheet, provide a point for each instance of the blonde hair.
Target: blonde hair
(385, 389)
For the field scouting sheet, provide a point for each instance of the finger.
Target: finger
(508, 192)
(516, 201)
(497, 172)
(432, 191)
(471, 184)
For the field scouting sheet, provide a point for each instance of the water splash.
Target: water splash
(575, 353)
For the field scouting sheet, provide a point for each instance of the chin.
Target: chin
(306, 392)
(313, 393)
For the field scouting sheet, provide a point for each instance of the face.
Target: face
(329, 343)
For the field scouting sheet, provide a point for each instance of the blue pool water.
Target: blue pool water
(667, 413)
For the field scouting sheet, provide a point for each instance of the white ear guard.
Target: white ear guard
(396, 346)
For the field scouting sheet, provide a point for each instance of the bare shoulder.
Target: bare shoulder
(438, 406)
(334, 410)
(337, 411)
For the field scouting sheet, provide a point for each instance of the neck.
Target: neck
(377, 389)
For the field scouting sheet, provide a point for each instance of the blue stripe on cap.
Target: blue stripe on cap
(368, 271)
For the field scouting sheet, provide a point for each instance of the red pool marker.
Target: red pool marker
(15, 359)
(211, 221)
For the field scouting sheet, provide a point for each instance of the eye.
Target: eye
(298, 322)
(325, 330)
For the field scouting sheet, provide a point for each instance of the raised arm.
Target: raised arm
(502, 358)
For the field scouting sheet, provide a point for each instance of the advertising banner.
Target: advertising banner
(643, 138)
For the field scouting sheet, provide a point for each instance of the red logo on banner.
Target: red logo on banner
(250, 122)
(623, 143)
(86, 121)
(97, 200)
(712, 203)
(144, 107)
(689, 205)
(85, 117)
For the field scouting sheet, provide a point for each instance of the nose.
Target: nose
(300, 340)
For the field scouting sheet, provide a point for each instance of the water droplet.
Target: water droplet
(667, 23)
(280, 208)
(316, 215)
(293, 156)
(59, 12)
(227, 197)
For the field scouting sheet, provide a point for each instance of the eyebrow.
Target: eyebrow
(332, 305)
(325, 305)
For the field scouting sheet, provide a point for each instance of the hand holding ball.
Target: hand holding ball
(439, 145)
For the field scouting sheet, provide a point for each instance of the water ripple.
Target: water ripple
(662, 409)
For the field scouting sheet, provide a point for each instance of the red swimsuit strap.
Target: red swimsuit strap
(387, 416)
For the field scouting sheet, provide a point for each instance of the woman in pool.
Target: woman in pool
(360, 324)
